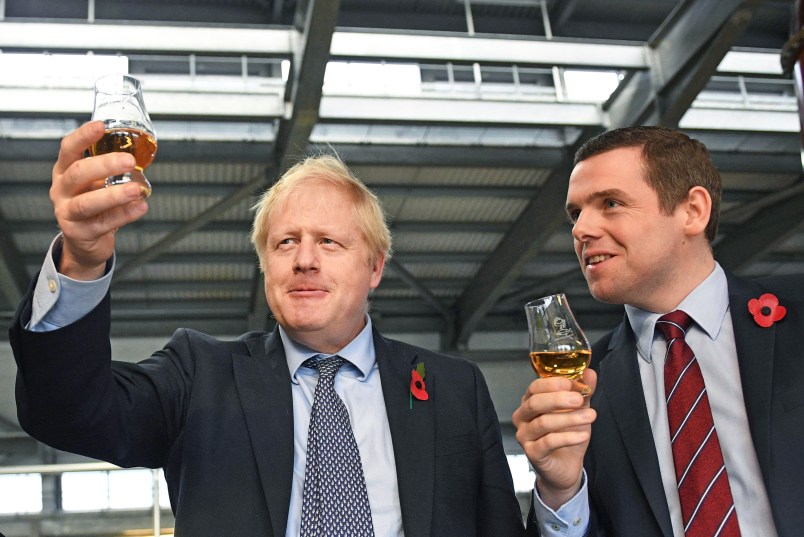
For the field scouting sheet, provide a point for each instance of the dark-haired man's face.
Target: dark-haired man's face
(628, 249)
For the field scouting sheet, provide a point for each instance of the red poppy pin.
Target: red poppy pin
(417, 387)
(766, 310)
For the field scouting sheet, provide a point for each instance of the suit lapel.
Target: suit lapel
(412, 435)
(263, 385)
(620, 376)
(755, 350)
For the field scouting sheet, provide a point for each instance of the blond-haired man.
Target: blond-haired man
(229, 420)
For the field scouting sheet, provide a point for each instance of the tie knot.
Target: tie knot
(327, 367)
(673, 325)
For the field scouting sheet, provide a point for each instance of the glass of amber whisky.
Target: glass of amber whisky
(119, 104)
(558, 346)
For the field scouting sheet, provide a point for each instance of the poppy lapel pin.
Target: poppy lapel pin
(766, 310)
(417, 386)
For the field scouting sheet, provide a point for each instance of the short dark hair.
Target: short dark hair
(673, 164)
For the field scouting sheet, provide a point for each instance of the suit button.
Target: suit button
(556, 527)
(576, 522)
(51, 285)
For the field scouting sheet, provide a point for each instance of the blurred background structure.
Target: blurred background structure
(463, 116)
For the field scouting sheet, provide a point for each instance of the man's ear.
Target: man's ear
(697, 210)
(376, 271)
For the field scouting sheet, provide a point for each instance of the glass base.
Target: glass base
(134, 176)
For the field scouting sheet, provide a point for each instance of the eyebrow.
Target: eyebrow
(610, 193)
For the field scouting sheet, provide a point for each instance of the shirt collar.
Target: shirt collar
(707, 305)
(359, 352)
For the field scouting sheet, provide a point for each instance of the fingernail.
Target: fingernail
(129, 161)
(132, 190)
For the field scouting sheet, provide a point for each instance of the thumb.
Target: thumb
(590, 379)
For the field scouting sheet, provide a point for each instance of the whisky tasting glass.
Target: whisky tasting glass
(119, 104)
(558, 346)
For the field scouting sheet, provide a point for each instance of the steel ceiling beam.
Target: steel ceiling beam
(305, 86)
(561, 13)
(219, 189)
(305, 95)
(505, 112)
(316, 20)
(14, 277)
(685, 52)
(527, 236)
(460, 48)
(162, 103)
(447, 108)
(439, 155)
(759, 234)
(242, 226)
(727, 160)
(199, 221)
(70, 37)
(403, 274)
(682, 40)
(188, 38)
(735, 119)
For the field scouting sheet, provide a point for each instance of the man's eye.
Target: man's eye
(612, 203)
(573, 216)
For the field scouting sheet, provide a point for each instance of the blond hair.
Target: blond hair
(367, 207)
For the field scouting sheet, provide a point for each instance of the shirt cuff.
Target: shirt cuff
(58, 300)
(570, 520)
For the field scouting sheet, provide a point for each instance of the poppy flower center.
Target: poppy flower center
(765, 310)
(418, 385)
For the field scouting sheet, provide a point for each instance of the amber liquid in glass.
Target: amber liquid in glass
(569, 364)
(137, 142)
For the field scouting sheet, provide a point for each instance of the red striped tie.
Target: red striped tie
(703, 484)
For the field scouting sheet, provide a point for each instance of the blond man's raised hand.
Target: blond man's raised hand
(87, 213)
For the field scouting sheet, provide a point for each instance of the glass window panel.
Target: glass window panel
(85, 491)
(524, 477)
(164, 499)
(119, 489)
(130, 489)
(20, 493)
(590, 85)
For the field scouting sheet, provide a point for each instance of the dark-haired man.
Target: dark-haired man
(694, 424)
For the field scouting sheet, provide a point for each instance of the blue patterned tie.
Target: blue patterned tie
(334, 500)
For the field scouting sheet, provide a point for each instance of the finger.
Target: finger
(546, 403)
(548, 384)
(590, 380)
(96, 215)
(89, 174)
(75, 143)
(545, 445)
(553, 431)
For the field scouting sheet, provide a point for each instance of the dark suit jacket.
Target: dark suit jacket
(218, 417)
(624, 481)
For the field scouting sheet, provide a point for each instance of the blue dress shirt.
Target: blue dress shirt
(711, 336)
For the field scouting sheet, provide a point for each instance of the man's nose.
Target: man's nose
(585, 226)
(306, 256)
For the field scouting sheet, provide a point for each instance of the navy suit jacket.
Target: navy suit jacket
(624, 480)
(217, 415)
